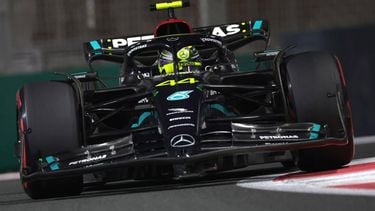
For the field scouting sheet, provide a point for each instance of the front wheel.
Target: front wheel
(317, 93)
(48, 123)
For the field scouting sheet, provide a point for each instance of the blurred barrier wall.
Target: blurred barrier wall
(37, 34)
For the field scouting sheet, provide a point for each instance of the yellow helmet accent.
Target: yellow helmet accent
(184, 53)
(181, 65)
(167, 68)
(166, 5)
(188, 57)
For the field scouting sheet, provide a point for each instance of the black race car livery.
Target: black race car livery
(174, 117)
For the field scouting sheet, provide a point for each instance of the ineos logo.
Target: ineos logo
(182, 140)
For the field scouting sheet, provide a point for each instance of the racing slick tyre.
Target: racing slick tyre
(316, 90)
(48, 122)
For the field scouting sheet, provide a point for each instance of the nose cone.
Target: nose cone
(178, 108)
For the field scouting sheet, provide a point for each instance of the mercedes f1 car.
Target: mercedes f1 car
(182, 109)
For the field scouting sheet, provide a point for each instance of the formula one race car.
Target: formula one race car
(183, 109)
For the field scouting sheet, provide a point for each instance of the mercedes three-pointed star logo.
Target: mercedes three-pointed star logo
(182, 140)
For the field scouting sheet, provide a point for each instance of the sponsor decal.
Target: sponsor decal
(279, 137)
(181, 125)
(137, 48)
(182, 140)
(179, 73)
(173, 111)
(212, 40)
(180, 118)
(221, 31)
(87, 160)
(144, 100)
(145, 75)
(229, 30)
(180, 95)
(183, 54)
(122, 43)
(212, 93)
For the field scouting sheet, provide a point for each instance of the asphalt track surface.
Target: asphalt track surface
(220, 192)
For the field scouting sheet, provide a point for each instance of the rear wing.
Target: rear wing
(234, 35)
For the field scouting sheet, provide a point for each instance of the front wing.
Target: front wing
(250, 145)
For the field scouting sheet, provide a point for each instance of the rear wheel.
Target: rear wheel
(317, 93)
(48, 123)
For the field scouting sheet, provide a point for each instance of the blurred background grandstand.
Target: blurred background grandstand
(40, 35)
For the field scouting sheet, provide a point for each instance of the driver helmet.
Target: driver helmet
(188, 60)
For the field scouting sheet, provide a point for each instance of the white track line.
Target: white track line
(9, 176)
(364, 140)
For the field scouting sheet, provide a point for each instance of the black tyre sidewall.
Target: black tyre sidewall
(313, 81)
(51, 121)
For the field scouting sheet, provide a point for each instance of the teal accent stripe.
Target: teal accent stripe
(316, 128)
(257, 25)
(95, 45)
(54, 165)
(222, 109)
(141, 118)
(315, 131)
(50, 159)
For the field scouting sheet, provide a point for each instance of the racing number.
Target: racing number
(174, 82)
